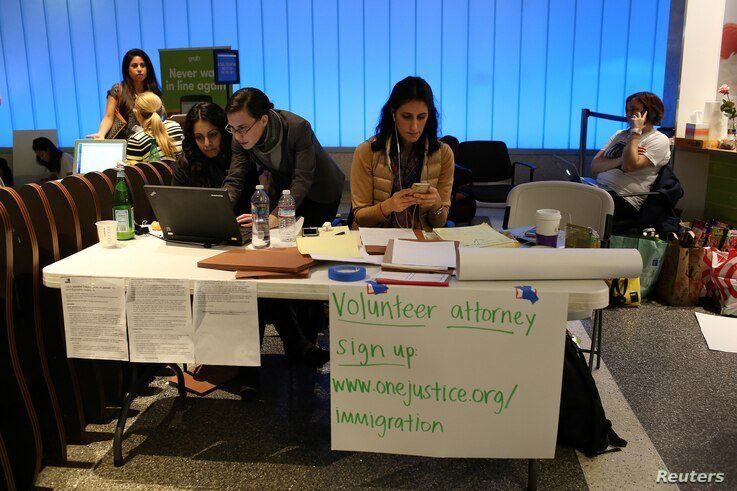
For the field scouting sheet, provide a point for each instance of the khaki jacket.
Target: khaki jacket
(371, 183)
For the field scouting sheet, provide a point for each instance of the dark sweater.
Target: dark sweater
(303, 166)
(210, 173)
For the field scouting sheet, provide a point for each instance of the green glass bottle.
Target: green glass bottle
(123, 207)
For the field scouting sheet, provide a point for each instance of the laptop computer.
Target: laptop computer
(573, 176)
(97, 155)
(196, 215)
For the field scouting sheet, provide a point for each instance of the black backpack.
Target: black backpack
(582, 423)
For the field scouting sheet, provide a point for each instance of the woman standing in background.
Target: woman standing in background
(138, 76)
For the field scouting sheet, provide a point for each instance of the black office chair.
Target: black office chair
(490, 168)
(462, 205)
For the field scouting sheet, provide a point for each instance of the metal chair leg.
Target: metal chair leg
(598, 338)
(592, 348)
(532, 474)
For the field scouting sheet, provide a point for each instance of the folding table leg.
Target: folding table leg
(138, 377)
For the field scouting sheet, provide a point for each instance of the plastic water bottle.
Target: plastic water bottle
(286, 217)
(260, 213)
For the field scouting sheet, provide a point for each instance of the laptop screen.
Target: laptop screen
(98, 155)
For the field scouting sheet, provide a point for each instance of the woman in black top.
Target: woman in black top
(205, 158)
(138, 76)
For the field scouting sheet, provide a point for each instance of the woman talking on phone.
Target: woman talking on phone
(402, 176)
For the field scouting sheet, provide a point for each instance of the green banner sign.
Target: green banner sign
(187, 76)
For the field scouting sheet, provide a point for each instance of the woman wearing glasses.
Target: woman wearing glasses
(203, 163)
(283, 144)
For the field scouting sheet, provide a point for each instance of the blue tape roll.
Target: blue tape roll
(346, 273)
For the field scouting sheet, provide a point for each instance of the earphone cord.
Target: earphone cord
(402, 223)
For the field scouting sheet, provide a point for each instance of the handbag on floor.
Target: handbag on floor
(582, 423)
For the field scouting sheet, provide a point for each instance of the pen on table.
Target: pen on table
(339, 233)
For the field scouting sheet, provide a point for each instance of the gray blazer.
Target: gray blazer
(305, 168)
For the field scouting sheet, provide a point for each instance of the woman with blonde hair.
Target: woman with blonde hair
(157, 138)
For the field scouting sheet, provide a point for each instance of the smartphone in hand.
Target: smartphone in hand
(420, 187)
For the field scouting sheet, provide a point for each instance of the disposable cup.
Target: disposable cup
(107, 232)
(547, 223)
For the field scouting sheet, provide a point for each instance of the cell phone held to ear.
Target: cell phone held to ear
(420, 187)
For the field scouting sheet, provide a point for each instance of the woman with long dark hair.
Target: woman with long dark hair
(206, 151)
(57, 164)
(405, 151)
(139, 76)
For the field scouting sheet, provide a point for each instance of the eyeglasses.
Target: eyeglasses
(239, 130)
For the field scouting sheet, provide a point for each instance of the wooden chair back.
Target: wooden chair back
(141, 207)
(63, 369)
(153, 176)
(165, 170)
(91, 374)
(29, 335)
(19, 425)
(104, 188)
(88, 207)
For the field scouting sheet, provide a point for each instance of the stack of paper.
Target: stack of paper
(336, 243)
(420, 255)
(481, 235)
(375, 240)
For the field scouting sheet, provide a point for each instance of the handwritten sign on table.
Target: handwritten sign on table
(446, 372)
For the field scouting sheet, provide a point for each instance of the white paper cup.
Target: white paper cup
(107, 232)
(547, 222)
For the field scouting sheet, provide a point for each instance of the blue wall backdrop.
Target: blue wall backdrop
(512, 70)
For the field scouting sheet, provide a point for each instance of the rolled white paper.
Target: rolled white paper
(541, 263)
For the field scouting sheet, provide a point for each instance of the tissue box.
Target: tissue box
(697, 131)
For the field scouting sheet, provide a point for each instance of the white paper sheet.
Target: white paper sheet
(481, 235)
(434, 254)
(381, 236)
(226, 323)
(94, 318)
(544, 263)
(720, 332)
(365, 258)
(159, 321)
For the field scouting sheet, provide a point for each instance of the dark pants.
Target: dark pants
(317, 213)
(623, 210)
